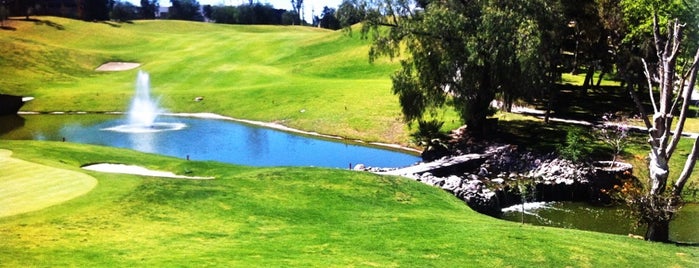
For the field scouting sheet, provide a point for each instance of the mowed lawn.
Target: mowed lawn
(271, 217)
(26, 186)
(303, 77)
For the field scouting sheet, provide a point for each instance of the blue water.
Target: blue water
(217, 140)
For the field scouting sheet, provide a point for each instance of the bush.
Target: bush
(429, 135)
(576, 146)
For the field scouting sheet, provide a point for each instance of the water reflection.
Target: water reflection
(10, 122)
(614, 220)
(144, 142)
(257, 142)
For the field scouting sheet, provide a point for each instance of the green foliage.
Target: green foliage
(468, 52)
(124, 11)
(429, 132)
(247, 14)
(348, 13)
(95, 10)
(327, 19)
(185, 10)
(638, 15)
(149, 8)
(576, 147)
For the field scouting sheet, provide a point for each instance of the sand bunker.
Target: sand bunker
(117, 66)
(137, 170)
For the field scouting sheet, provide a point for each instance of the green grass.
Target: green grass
(26, 186)
(266, 73)
(285, 217)
(579, 79)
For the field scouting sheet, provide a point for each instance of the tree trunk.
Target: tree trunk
(589, 76)
(601, 76)
(658, 231)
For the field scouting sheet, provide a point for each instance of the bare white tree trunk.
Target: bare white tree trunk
(662, 140)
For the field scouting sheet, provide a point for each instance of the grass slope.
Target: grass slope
(286, 217)
(267, 73)
(26, 186)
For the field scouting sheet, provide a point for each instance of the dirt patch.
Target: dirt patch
(117, 66)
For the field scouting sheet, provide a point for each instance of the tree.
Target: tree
(328, 20)
(465, 53)
(3, 15)
(662, 140)
(348, 13)
(185, 10)
(149, 8)
(296, 5)
(124, 11)
(96, 10)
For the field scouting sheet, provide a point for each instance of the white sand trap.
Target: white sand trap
(138, 170)
(117, 66)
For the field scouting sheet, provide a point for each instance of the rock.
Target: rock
(452, 183)
(498, 181)
(359, 167)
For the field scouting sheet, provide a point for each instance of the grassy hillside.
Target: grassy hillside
(267, 73)
(285, 217)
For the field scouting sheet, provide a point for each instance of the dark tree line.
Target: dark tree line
(122, 10)
(88, 10)
(249, 14)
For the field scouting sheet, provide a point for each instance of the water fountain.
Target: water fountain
(144, 111)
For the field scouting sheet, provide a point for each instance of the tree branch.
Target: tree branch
(687, 170)
(656, 36)
(686, 93)
(639, 104)
(677, 38)
(649, 78)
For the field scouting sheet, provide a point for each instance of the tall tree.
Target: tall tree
(328, 20)
(124, 11)
(3, 15)
(149, 8)
(662, 139)
(97, 10)
(185, 10)
(297, 6)
(464, 53)
(349, 13)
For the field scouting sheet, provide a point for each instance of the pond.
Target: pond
(205, 139)
(615, 220)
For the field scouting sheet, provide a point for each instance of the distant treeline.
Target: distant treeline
(250, 14)
(121, 10)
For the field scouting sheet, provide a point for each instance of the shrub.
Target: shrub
(576, 146)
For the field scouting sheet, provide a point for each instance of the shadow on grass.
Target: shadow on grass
(536, 136)
(8, 28)
(113, 24)
(578, 103)
(49, 23)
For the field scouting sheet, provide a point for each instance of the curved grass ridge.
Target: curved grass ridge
(27, 186)
(287, 217)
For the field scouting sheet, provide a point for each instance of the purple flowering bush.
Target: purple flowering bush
(614, 133)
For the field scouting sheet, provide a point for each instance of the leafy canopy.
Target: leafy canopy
(464, 53)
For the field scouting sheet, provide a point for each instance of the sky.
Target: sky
(309, 5)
